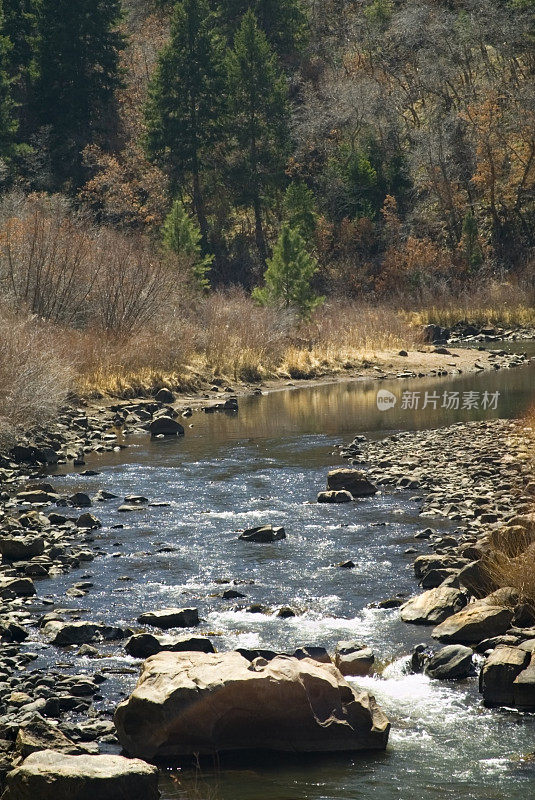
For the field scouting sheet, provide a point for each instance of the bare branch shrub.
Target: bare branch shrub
(48, 261)
(136, 282)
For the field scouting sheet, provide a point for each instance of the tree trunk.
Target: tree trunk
(198, 204)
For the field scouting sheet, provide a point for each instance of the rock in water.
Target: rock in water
(143, 645)
(48, 775)
(433, 606)
(353, 481)
(453, 661)
(341, 496)
(170, 618)
(474, 623)
(165, 426)
(263, 534)
(187, 703)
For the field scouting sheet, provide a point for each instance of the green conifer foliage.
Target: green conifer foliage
(182, 236)
(289, 274)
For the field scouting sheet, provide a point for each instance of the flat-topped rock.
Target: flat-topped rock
(49, 775)
(187, 703)
(17, 587)
(433, 606)
(474, 623)
(170, 618)
(353, 481)
(340, 496)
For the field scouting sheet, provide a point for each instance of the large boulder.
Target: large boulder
(499, 671)
(48, 775)
(197, 703)
(165, 426)
(20, 548)
(64, 634)
(474, 623)
(352, 480)
(433, 606)
(452, 661)
(524, 687)
(170, 618)
(17, 587)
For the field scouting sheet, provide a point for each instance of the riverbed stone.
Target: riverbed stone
(452, 661)
(49, 775)
(353, 481)
(187, 703)
(353, 658)
(474, 623)
(524, 687)
(20, 548)
(263, 534)
(170, 618)
(165, 426)
(143, 645)
(38, 734)
(433, 606)
(340, 496)
(17, 587)
(498, 673)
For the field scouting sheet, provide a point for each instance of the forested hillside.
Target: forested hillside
(399, 137)
(301, 156)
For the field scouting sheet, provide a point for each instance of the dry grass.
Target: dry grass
(227, 336)
(492, 303)
(35, 375)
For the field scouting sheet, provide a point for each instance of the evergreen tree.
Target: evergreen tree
(288, 275)
(8, 125)
(182, 236)
(299, 208)
(78, 72)
(283, 21)
(260, 114)
(470, 242)
(185, 111)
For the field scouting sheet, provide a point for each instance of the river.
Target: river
(266, 464)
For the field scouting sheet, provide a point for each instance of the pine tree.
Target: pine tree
(288, 275)
(8, 125)
(78, 72)
(470, 242)
(185, 111)
(299, 207)
(260, 114)
(182, 236)
(283, 21)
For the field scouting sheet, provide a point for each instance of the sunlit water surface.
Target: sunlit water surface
(266, 464)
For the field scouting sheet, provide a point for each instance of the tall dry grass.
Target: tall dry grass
(489, 302)
(35, 374)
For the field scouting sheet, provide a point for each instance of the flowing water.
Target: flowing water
(266, 464)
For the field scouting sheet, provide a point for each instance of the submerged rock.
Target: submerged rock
(204, 703)
(49, 775)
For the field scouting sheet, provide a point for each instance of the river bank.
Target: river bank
(156, 543)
